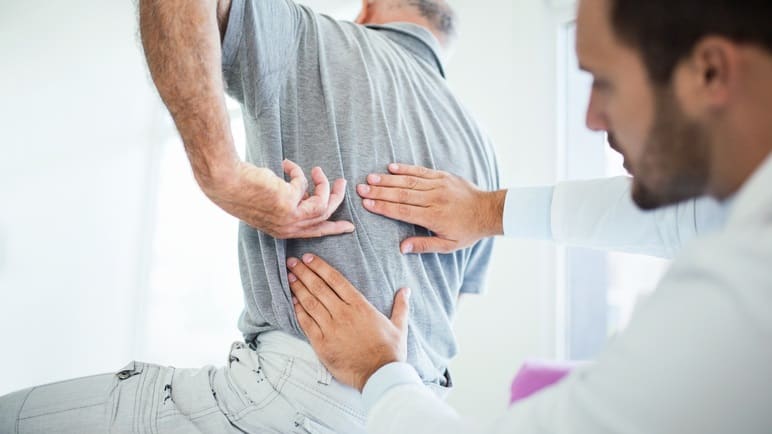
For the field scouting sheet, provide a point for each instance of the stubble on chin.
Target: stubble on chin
(675, 165)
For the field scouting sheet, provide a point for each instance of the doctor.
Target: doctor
(686, 88)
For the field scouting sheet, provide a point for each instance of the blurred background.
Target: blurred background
(109, 252)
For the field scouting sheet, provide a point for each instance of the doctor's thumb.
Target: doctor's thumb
(401, 310)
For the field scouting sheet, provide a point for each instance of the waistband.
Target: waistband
(277, 341)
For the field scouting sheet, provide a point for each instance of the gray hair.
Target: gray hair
(438, 13)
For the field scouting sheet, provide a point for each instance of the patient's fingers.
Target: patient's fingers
(297, 177)
(332, 278)
(316, 206)
(324, 229)
(337, 195)
(307, 323)
(416, 215)
(396, 195)
(321, 185)
(310, 302)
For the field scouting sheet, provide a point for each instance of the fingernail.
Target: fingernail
(307, 258)
(407, 248)
(363, 188)
(407, 292)
(351, 228)
(291, 262)
(374, 179)
(292, 278)
(294, 300)
(369, 203)
(393, 167)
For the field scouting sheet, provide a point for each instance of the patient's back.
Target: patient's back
(351, 100)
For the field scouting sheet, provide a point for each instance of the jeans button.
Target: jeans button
(124, 375)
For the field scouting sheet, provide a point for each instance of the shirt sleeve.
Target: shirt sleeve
(601, 214)
(527, 213)
(476, 273)
(261, 42)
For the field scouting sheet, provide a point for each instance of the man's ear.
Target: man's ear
(366, 13)
(716, 65)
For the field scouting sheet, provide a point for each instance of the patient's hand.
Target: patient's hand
(351, 338)
(281, 209)
(454, 209)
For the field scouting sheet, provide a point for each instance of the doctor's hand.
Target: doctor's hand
(279, 208)
(352, 339)
(455, 210)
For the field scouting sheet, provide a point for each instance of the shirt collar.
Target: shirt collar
(753, 203)
(415, 38)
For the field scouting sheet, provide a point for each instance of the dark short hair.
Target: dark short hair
(438, 13)
(666, 31)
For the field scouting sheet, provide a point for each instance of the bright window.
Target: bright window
(597, 289)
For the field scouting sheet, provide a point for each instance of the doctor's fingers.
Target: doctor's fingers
(417, 215)
(323, 291)
(307, 323)
(402, 181)
(396, 195)
(312, 305)
(333, 280)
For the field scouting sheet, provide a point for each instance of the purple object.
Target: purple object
(535, 375)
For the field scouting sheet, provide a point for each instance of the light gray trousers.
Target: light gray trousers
(277, 386)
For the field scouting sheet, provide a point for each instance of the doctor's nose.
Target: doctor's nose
(596, 119)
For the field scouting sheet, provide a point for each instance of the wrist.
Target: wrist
(365, 377)
(492, 213)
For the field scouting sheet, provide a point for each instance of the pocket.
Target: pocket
(256, 379)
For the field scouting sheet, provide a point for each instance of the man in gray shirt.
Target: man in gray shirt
(348, 98)
(351, 99)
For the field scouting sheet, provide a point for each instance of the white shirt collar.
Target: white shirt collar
(753, 203)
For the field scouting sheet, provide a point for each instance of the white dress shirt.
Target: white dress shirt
(696, 356)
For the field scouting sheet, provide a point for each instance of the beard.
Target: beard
(675, 164)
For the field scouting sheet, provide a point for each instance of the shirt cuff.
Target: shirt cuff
(234, 28)
(527, 213)
(385, 379)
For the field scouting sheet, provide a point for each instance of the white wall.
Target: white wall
(76, 118)
(79, 125)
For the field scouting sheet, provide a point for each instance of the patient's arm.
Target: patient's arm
(182, 41)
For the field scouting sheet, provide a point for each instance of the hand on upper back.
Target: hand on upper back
(454, 209)
(351, 337)
(279, 208)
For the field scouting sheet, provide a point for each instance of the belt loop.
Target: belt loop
(323, 375)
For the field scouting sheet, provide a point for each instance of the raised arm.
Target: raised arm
(182, 41)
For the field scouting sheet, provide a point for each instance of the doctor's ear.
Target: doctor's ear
(365, 13)
(716, 64)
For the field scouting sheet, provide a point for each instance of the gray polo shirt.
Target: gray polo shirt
(352, 99)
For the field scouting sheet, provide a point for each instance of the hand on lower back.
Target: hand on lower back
(279, 208)
(352, 338)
